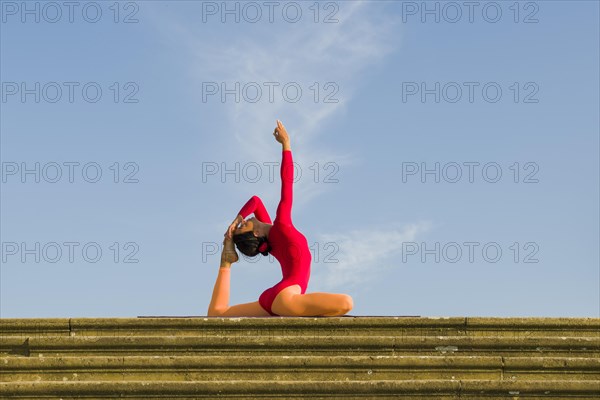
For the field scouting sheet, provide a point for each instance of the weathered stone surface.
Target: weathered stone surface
(293, 358)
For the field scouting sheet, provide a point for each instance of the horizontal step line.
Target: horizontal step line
(353, 322)
(524, 363)
(307, 387)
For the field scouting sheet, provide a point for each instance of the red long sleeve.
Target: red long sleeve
(256, 206)
(284, 210)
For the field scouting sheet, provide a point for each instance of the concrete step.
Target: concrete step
(347, 345)
(296, 368)
(293, 358)
(290, 326)
(422, 388)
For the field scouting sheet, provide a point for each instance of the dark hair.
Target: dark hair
(250, 245)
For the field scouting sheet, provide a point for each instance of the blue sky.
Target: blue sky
(375, 224)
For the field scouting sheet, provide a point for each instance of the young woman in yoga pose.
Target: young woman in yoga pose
(289, 246)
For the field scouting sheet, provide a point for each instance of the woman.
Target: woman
(286, 244)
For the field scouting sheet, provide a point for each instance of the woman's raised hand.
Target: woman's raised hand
(280, 133)
(238, 220)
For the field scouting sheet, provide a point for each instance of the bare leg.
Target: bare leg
(220, 297)
(323, 304)
(219, 303)
(291, 303)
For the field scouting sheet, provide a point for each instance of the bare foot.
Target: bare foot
(229, 255)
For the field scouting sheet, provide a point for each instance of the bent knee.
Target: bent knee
(347, 303)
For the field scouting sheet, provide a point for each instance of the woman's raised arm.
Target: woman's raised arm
(254, 205)
(284, 210)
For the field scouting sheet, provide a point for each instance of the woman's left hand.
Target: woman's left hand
(233, 226)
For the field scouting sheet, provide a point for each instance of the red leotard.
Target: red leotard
(288, 245)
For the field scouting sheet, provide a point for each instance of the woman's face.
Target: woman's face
(245, 226)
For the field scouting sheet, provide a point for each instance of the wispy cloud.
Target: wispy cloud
(362, 255)
(305, 52)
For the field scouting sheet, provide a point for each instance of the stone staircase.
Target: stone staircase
(291, 358)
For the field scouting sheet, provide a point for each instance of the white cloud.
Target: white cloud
(305, 52)
(362, 255)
